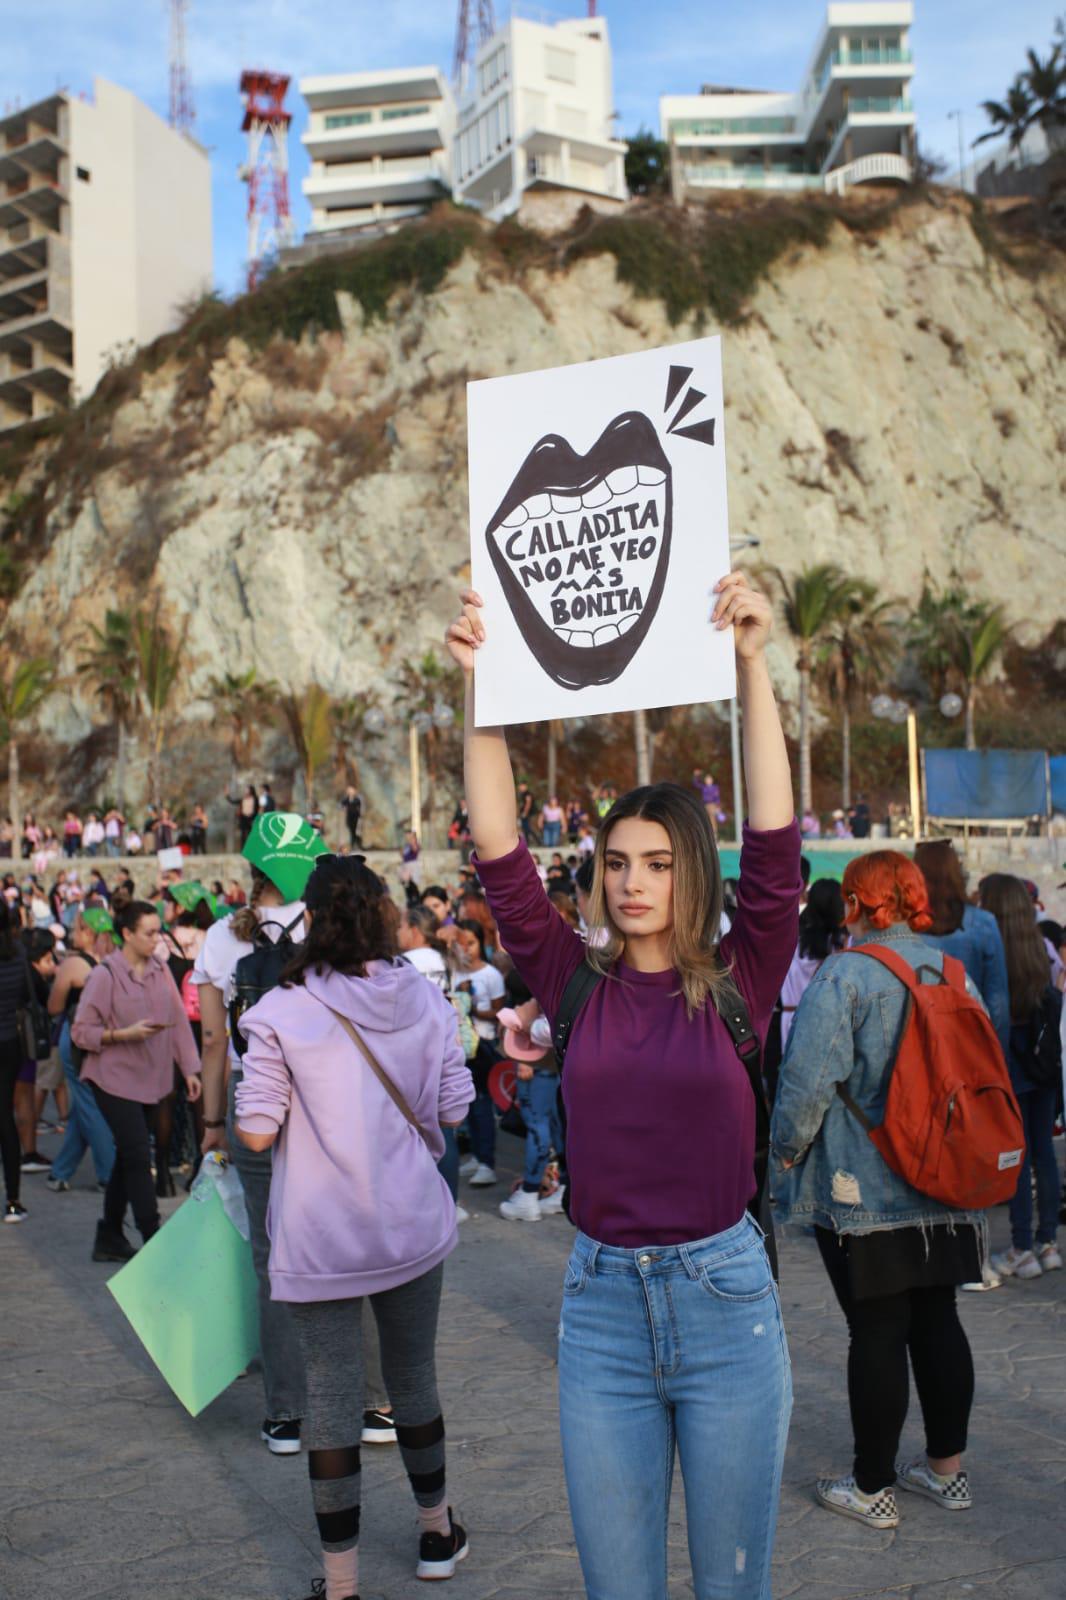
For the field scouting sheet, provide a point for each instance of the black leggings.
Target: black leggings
(923, 1322)
(10, 1149)
(131, 1176)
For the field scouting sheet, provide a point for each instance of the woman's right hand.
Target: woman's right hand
(137, 1032)
(466, 633)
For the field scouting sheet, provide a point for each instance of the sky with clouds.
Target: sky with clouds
(965, 51)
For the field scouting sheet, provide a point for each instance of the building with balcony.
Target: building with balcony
(379, 144)
(536, 113)
(851, 121)
(105, 232)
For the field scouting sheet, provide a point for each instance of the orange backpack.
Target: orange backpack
(952, 1128)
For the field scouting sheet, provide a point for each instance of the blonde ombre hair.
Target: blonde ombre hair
(697, 891)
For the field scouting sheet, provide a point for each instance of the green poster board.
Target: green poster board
(190, 1296)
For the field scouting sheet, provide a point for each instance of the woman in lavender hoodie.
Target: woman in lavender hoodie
(357, 1206)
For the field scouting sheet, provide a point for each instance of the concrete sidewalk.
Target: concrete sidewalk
(109, 1491)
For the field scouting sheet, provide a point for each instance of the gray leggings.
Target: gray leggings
(330, 1333)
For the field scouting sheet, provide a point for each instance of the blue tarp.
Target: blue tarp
(1058, 783)
(980, 784)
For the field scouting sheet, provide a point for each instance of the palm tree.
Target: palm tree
(1011, 116)
(556, 733)
(861, 649)
(21, 696)
(812, 602)
(428, 687)
(158, 667)
(983, 632)
(245, 701)
(349, 725)
(642, 741)
(1046, 82)
(958, 640)
(309, 721)
(111, 662)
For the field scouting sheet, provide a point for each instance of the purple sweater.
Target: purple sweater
(356, 1202)
(660, 1116)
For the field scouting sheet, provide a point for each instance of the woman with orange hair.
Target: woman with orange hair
(894, 1256)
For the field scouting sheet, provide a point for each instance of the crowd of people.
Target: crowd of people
(689, 1061)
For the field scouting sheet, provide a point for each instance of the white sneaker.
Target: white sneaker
(953, 1492)
(552, 1204)
(522, 1207)
(468, 1166)
(1017, 1264)
(1049, 1257)
(482, 1176)
(844, 1495)
(462, 1214)
(988, 1280)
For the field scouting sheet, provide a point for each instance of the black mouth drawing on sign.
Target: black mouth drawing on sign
(581, 546)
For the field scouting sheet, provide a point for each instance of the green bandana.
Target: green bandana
(189, 896)
(99, 921)
(285, 848)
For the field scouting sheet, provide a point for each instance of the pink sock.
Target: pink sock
(432, 1519)
(342, 1573)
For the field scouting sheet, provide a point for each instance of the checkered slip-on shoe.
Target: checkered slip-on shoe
(844, 1495)
(952, 1493)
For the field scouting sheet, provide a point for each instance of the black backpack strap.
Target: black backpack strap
(579, 987)
(734, 1013)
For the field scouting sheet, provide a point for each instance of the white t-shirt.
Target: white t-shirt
(93, 834)
(222, 949)
(486, 985)
(430, 963)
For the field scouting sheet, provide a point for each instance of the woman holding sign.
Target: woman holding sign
(670, 1335)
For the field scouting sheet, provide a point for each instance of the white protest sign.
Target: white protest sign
(599, 527)
(170, 860)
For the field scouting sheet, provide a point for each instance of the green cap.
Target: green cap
(285, 848)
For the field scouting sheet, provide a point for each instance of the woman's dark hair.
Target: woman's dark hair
(126, 917)
(566, 907)
(1053, 931)
(8, 929)
(942, 871)
(38, 942)
(435, 892)
(821, 923)
(1028, 967)
(468, 925)
(353, 920)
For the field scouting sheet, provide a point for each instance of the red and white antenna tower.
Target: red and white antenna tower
(266, 172)
(182, 110)
(466, 45)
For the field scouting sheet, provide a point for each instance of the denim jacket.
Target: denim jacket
(979, 946)
(846, 1031)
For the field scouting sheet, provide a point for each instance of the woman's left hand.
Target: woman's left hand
(749, 612)
(194, 1088)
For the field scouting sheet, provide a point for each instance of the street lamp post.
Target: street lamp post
(734, 727)
(442, 716)
(957, 115)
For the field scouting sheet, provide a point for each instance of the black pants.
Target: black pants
(923, 1323)
(10, 1149)
(131, 1176)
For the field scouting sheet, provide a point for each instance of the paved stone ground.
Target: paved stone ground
(109, 1491)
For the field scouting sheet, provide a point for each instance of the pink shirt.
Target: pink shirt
(116, 997)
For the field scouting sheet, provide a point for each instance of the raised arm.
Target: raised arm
(766, 769)
(490, 787)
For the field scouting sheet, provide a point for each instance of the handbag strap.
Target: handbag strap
(379, 1072)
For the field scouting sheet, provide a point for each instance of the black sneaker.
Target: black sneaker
(281, 1438)
(379, 1427)
(13, 1212)
(33, 1161)
(439, 1553)
(111, 1245)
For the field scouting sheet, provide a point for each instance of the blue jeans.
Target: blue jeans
(674, 1346)
(448, 1165)
(553, 832)
(86, 1128)
(538, 1101)
(1038, 1119)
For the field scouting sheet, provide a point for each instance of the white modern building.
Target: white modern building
(851, 120)
(537, 112)
(379, 144)
(105, 232)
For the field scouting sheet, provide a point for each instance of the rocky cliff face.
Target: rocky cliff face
(894, 402)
